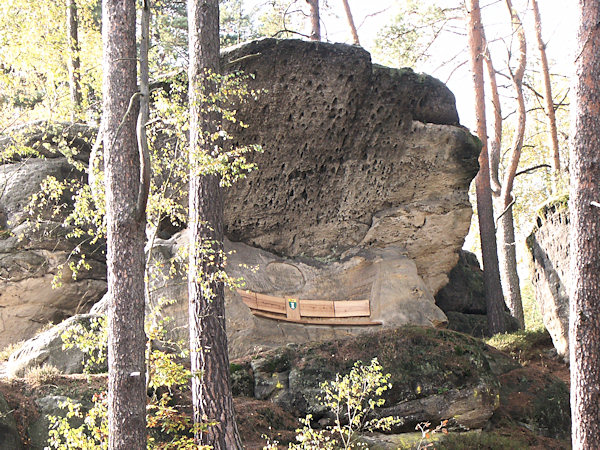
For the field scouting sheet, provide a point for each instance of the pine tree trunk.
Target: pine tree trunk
(506, 237)
(584, 332)
(547, 93)
(315, 20)
(125, 232)
(507, 257)
(75, 62)
(355, 40)
(485, 209)
(211, 392)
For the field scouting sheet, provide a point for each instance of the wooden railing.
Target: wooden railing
(309, 312)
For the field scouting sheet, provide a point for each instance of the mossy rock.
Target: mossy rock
(424, 363)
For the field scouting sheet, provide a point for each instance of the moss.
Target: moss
(480, 440)
(520, 342)
(552, 411)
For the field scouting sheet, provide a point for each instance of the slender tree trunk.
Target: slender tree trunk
(506, 241)
(315, 20)
(547, 93)
(211, 390)
(507, 257)
(485, 211)
(496, 143)
(584, 333)
(351, 23)
(125, 232)
(74, 62)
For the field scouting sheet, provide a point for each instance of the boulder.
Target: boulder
(355, 154)
(361, 193)
(548, 245)
(47, 348)
(9, 433)
(397, 295)
(31, 253)
(465, 292)
(435, 375)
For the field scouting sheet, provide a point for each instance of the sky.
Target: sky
(557, 28)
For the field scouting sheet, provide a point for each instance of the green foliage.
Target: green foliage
(33, 63)
(91, 341)
(92, 434)
(413, 31)
(351, 399)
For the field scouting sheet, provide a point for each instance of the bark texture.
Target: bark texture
(75, 61)
(211, 390)
(584, 333)
(125, 234)
(485, 211)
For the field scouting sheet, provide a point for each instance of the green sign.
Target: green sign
(293, 303)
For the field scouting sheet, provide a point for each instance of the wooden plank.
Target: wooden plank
(249, 298)
(352, 308)
(333, 321)
(317, 308)
(292, 309)
(270, 303)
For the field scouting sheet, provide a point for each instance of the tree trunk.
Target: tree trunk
(351, 23)
(125, 232)
(74, 62)
(315, 20)
(507, 256)
(547, 93)
(584, 332)
(485, 211)
(211, 390)
(507, 250)
(496, 143)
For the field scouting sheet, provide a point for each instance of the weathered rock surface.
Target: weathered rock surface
(361, 192)
(435, 375)
(47, 348)
(355, 155)
(9, 433)
(464, 292)
(549, 248)
(385, 276)
(29, 255)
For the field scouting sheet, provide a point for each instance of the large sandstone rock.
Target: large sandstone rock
(361, 192)
(549, 247)
(385, 276)
(355, 155)
(47, 348)
(29, 254)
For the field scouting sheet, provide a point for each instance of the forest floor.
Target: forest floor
(522, 396)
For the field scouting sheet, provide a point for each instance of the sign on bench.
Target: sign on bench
(309, 312)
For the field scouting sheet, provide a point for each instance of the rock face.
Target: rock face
(386, 277)
(435, 375)
(355, 155)
(361, 193)
(549, 248)
(47, 348)
(29, 255)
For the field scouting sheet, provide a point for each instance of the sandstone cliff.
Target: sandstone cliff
(361, 193)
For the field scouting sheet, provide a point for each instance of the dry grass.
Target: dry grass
(38, 376)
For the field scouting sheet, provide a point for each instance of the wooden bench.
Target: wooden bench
(309, 312)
